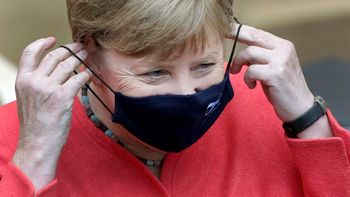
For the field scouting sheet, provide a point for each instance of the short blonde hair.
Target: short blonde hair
(150, 27)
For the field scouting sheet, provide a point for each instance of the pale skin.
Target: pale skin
(45, 90)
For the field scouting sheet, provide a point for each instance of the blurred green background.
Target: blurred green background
(319, 28)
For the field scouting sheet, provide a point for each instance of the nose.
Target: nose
(187, 89)
(187, 85)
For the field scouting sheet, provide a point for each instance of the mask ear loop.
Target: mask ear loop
(234, 45)
(87, 85)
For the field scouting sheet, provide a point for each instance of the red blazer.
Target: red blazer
(245, 153)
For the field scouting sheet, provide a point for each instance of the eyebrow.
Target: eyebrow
(212, 56)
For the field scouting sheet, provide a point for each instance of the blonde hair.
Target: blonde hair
(150, 27)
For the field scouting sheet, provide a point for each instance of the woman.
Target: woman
(159, 116)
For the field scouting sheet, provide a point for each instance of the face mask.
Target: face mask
(171, 123)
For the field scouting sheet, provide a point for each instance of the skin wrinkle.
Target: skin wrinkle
(128, 84)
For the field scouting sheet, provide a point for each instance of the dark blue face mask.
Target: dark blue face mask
(171, 123)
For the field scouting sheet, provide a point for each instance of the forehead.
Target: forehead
(212, 48)
(212, 51)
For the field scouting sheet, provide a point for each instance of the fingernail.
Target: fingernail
(50, 38)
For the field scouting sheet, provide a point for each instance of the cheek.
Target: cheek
(215, 77)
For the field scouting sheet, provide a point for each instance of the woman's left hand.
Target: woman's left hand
(273, 61)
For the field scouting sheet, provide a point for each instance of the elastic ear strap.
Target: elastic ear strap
(88, 67)
(87, 85)
(234, 45)
(94, 93)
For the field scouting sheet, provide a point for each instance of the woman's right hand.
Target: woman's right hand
(45, 93)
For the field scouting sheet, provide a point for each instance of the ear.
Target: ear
(93, 58)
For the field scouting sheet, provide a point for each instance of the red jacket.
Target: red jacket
(245, 153)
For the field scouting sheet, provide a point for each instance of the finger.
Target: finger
(76, 82)
(65, 68)
(251, 55)
(257, 72)
(256, 37)
(52, 59)
(31, 55)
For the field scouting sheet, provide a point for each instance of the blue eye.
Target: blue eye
(204, 67)
(156, 73)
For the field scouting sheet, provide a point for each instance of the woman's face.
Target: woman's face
(181, 75)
